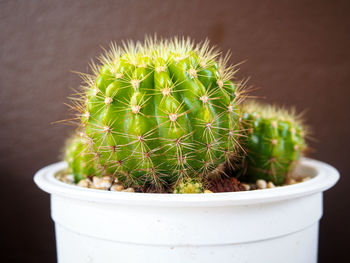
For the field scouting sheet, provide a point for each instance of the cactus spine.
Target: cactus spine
(161, 111)
(275, 141)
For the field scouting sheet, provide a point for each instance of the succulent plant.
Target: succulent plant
(81, 162)
(189, 186)
(161, 111)
(274, 142)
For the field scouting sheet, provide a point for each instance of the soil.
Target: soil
(225, 184)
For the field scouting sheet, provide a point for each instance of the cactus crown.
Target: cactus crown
(273, 112)
(160, 111)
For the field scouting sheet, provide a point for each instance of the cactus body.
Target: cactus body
(81, 163)
(275, 141)
(161, 111)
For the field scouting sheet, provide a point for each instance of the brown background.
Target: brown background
(297, 52)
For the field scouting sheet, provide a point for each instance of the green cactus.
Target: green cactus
(81, 163)
(189, 186)
(275, 141)
(161, 111)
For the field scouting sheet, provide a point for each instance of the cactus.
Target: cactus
(274, 143)
(81, 163)
(161, 111)
(189, 186)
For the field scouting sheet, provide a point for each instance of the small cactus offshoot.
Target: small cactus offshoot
(274, 142)
(81, 163)
(189, 186)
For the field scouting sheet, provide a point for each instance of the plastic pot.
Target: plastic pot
(271, 225)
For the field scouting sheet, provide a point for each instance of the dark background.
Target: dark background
(297, 52)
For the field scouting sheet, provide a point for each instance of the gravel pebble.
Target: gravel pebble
(270, 185)
(103, 183)
(117, 187)
(246, 186)
(307, 178)
(261, 184)
(130, 189)
(290, 181)
(69, 179)
(84, 183)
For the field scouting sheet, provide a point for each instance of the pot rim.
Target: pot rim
(323, 176)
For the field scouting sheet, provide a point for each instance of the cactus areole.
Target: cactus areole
(160, 111)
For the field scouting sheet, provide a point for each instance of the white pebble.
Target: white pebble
(291, 181)
(130, 189)
(261, 184)
(307, 178)
(270, 185)
(246, 186)
(59, 176)
(103, 183)
(117, 187)
(70, 178)
(84, 183)
(107, 181)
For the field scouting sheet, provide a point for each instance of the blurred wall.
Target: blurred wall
(296, 52)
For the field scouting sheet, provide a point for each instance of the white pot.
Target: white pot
(267, 226)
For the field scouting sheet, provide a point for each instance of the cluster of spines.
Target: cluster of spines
(275, 140)
(161, 111)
